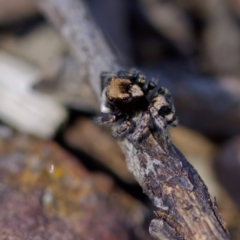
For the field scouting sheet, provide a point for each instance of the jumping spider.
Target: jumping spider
(137, 104)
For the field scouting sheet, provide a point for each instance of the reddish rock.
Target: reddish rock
(46, 194)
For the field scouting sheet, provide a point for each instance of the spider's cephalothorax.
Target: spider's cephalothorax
(136, 103)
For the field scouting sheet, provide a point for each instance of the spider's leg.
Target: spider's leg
(141, 79)
(158, 129)
(106, 119)
(169, 112)
(141, 127)
(167, 95)
(150, 84)
(159, 120)
(164, 91)
(162, 107)
(174, 121)
(123, 129)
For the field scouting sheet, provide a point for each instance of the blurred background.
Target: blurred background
(62, 177)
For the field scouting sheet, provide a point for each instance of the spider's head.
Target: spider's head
(123, 90)
(124, 95)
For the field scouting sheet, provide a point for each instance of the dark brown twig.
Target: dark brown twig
(184, 209)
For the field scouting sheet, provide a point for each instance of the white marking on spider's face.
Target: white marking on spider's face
(136, 91)
(103, 107)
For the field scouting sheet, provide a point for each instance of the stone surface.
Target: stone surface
(46, 194)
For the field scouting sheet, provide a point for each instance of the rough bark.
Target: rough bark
(184, 209)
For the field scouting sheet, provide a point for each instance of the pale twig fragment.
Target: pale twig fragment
(21, 106)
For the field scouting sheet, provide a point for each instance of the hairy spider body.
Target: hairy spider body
(137, 104)
(126, 97)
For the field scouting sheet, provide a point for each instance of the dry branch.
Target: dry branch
(184, 209)
(84, 39)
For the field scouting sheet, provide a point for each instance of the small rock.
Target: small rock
(63, 203)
